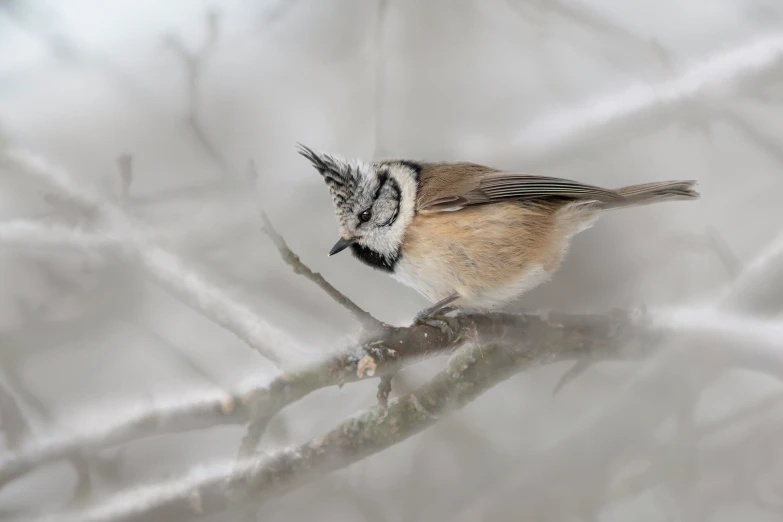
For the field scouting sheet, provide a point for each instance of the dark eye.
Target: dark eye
(365, 216)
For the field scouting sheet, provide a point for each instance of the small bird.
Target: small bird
(463, 234)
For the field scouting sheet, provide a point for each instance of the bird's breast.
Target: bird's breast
(487, 254)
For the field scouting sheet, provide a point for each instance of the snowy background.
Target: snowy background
(607, 92)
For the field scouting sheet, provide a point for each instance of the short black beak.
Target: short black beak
(341, 245)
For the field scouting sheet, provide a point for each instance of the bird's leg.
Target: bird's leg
(425, 316)
(446, 310)
(437, 307)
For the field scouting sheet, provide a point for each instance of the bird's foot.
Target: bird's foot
(425, 318)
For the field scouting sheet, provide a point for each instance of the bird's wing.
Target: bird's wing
(453, 186)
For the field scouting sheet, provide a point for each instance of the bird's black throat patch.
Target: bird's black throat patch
(374, 259)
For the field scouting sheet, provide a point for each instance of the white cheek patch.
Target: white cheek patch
(386, 240)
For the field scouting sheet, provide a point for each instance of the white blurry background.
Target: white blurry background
(604, 91)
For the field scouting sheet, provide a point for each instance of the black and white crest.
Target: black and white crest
(338, 173)
(345, 178)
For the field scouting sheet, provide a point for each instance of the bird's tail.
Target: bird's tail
(635, 195)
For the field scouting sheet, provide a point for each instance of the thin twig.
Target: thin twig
(251, 440)
(579, 368)
(362, 317)
(384, 389)
(38, 234)
(17, 429)
(247, 449)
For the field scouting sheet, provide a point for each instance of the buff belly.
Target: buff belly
(489, 255)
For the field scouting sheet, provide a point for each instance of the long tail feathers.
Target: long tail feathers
(647, 193)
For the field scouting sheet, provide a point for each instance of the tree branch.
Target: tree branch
(563, 335)
(558, 337)
(470, 372)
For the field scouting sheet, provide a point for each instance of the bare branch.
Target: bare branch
(169, 272)
(470, 372)
(570, 132)
(251, 440)
(33, 235)
(17, 429)
(563, 335)
(184, 415)
(163, 267)
(556, 337)
(29, 234)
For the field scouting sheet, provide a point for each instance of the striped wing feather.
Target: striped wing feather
(447, 187)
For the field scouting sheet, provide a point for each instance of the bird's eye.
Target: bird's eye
(365, 216)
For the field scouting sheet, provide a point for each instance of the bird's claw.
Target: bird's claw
(441, 325)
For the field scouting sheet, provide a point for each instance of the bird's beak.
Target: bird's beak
(341, 245)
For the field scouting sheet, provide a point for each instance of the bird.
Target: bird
(464, 235)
